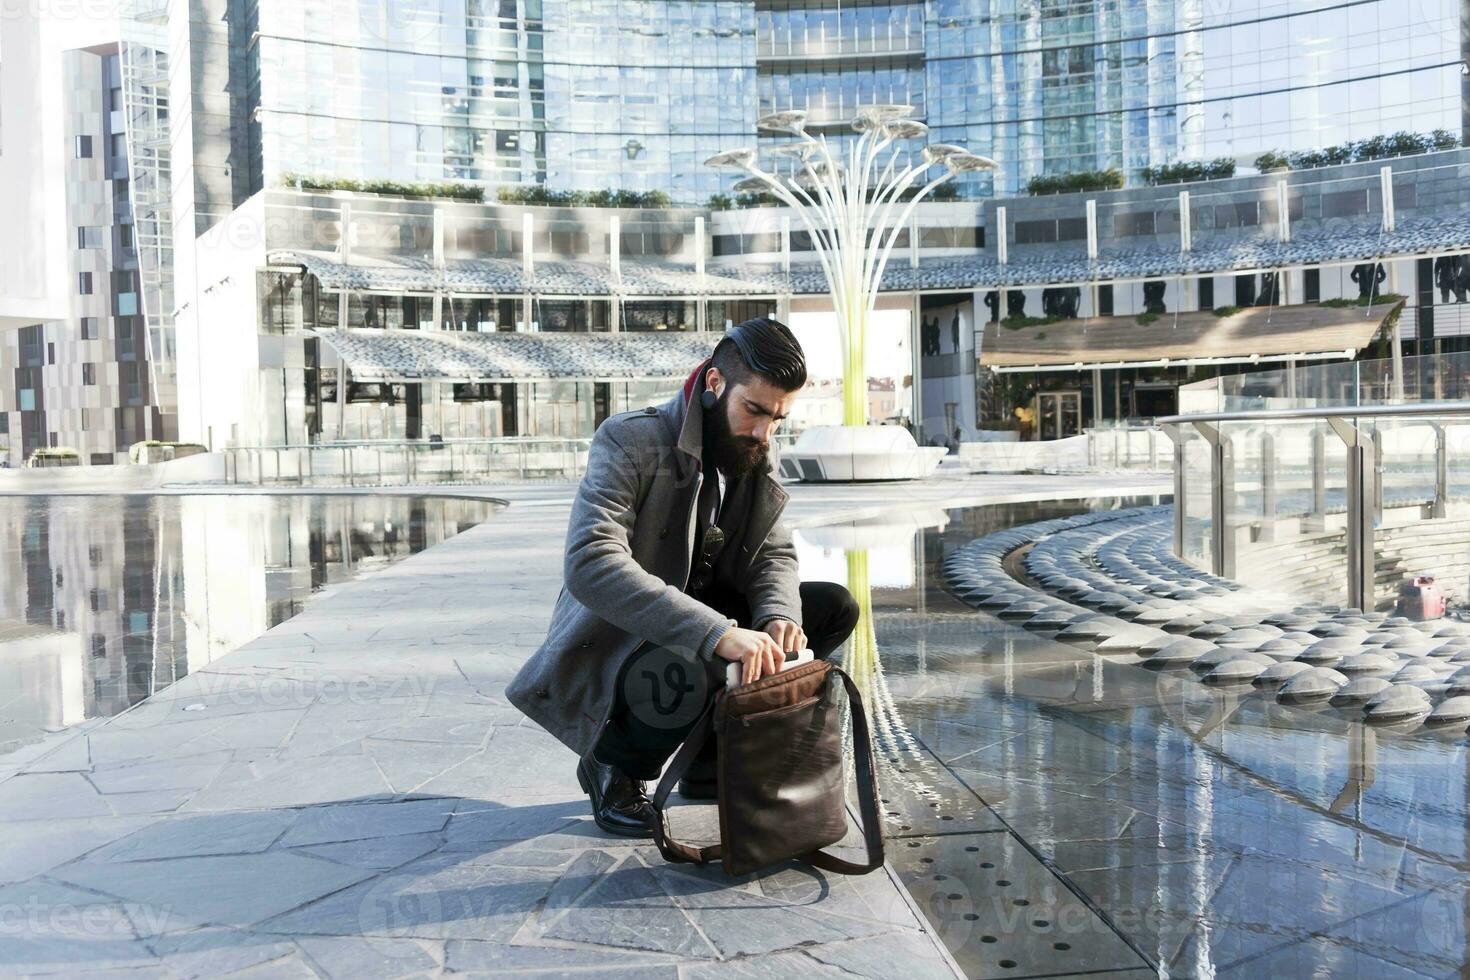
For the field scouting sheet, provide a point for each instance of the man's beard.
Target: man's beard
(735, 456)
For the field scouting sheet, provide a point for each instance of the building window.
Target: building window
(89, 328)
(54, 441)
(1105, 299)
(99, 645)
(50, 352)
(119, 146)
(89, 377)
(125, 236)
(84, 283)
(1312, 286)
(1207, 293)
(84, 147)
(89, 236)
(27, 399)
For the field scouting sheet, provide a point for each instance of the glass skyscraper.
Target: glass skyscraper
(574, 94)
(635, 94)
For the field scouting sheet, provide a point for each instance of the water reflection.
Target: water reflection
(1057, 812)
(108, 599)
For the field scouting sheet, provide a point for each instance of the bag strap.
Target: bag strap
(867, 790)
(673, 850)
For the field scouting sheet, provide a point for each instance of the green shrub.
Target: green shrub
(457, 192)
(1224, 311)
(1144, 319)
(1086, 180)
(541, 196)
(1271, 160)
(1398, 144)
(1175, 173)
(756, 199)
(720, 202)
(1443, 139)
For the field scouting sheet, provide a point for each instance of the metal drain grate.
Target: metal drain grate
(1001, 912)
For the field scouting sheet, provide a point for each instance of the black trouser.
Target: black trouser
(660, 694)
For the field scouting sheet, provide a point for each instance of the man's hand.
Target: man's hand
(788, 636)
(755, 651)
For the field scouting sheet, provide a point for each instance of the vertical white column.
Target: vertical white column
(438, 238)
(615, 247)
(438, 261)
(1186, 226)
(615, 263)
(528, 267)
(785, 243)
(699, 248)
(914, 242)
(528, 245)
(701, 304)
(1091, 229)
(1283, 212)
(344, 255)
(1385, 184)
(1002, 251)
(344, 240)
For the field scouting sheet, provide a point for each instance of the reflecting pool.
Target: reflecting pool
(1058, 812)
(108, 599)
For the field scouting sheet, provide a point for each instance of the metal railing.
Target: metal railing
(1124, 446)
(402, 462)
(1315, 471)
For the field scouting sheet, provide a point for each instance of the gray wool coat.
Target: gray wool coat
(628, 555)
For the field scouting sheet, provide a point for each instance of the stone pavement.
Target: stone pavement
(350, 795)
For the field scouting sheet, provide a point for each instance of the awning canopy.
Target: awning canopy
(433, 355)
(1254, 333)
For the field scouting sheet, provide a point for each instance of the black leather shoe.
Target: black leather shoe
(620, 804)
(699, 789)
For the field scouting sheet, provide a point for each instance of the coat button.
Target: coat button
(650, 410)
(587, 645)
(663, 532)
(542, 692)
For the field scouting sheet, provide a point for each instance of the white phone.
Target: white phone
(732, 669)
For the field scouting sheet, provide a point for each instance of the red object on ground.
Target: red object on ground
(1421, 599)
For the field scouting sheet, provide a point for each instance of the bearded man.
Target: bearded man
(677, 565)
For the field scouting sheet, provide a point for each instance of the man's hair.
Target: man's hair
(764, 347)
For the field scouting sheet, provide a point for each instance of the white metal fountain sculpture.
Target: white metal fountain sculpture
(854, 212)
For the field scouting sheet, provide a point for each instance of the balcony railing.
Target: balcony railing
(404, 462)
(879, 43)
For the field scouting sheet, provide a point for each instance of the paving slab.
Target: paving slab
(351, 795)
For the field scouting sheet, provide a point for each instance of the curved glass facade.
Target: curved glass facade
(1058, 86)
(574, 94)
(635, 94)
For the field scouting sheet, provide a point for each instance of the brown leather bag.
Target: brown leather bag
(781, 777)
